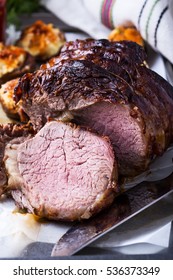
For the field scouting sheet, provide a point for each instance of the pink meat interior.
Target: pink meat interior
(66, 170)
(124, 131)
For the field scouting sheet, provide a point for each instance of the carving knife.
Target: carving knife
(125, 206)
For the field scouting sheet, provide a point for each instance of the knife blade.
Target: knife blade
(125, 206)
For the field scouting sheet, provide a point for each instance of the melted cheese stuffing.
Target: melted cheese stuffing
(6, 96)
(126, 33)
(41, 40)
(11, 58)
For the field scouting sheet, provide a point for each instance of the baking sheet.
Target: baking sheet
(18, 231)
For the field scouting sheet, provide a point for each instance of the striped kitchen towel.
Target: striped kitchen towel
(153, 18)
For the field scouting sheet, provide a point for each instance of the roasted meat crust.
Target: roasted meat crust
(123, 50)
(120, 58)
(55, 81)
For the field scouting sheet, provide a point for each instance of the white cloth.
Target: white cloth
(153, 18)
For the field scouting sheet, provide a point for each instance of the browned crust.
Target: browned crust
(123, 48)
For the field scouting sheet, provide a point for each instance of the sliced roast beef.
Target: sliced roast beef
(96, 98)
(17, 134)
(64, 172)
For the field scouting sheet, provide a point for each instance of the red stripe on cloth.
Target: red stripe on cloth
(106, 13)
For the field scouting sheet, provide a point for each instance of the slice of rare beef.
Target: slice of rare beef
(64, 172)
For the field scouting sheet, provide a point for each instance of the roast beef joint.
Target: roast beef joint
(97, 111)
